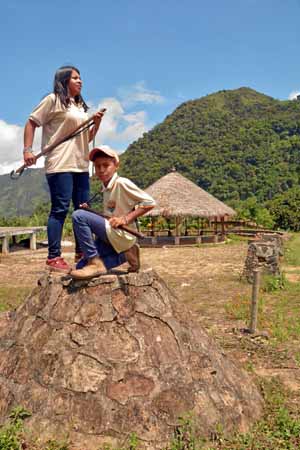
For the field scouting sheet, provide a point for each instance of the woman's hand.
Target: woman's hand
(29, 131)
(98, 117)
(29, 158)
(117, 222)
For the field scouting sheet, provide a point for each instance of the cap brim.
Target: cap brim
(102, 152)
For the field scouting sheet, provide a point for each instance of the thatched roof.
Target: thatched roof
(176, 196)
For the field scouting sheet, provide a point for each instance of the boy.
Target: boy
(124, 202)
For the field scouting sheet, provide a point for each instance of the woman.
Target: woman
(67, 165)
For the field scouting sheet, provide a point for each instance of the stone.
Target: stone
(263, 253)
(100, 359)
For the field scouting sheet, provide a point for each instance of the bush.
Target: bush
(285, 209)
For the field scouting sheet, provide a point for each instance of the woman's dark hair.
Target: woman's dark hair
(60, 86)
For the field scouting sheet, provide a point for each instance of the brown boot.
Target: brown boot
(133, 258)
(93, 268)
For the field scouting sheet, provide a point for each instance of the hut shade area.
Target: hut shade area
(176, 196)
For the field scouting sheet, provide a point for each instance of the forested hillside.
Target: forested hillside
(235, 144)
(21, 197)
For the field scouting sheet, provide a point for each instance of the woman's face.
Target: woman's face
(75, 84)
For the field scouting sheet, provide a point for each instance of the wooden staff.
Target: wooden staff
(121, 227)
(15, 174)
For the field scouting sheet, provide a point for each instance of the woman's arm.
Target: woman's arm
(97, 119)
(29, 131)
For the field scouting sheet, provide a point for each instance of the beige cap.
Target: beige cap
(101, 151)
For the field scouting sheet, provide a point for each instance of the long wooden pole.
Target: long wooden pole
(254, 300)
(49, 148)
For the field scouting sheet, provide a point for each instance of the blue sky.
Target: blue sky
(142, 58)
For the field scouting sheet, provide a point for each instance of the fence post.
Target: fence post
(254, 300)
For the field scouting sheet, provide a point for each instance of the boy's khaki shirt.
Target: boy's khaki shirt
(119, 198)
(57, 121)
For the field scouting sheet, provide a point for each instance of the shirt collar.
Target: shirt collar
(111, 183)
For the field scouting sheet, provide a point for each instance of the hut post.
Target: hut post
(223, 227)
(215, 237)
(177, 230)
(153, 237)
(152, 226)
(169, 226)
(199, 237)
(185, 226)
(216, 224)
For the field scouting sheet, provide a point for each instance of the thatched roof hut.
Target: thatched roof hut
(176, 196)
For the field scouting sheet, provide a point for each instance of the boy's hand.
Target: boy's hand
(117, 222)
(84, 205)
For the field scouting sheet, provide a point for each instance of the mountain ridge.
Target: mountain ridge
(224, 142)
(233, 143)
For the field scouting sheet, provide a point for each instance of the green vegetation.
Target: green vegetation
(235, 144)
(253, 210)
(278, 312)
(272, 283)
(239, 145)
(292, 250)
(285, 209)
(278, 430)
(22, 197)
(11, 433)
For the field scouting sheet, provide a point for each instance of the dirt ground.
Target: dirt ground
(207, 279)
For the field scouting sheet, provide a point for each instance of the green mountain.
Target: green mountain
(22, 196)
(234, 144)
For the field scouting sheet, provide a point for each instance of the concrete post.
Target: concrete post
(5, 245)
(33, 241)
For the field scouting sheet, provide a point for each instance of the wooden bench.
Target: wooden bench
(7, 232)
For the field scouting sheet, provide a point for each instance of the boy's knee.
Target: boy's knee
(77, 215)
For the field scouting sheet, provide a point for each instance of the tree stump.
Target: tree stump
(99, 360)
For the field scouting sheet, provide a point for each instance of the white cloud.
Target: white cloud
(11, 147)
(117, 126)
(120, 126)
(139, 93)
(293, 95)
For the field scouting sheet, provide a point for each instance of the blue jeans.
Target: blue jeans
(64, 187)
(85, 225)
